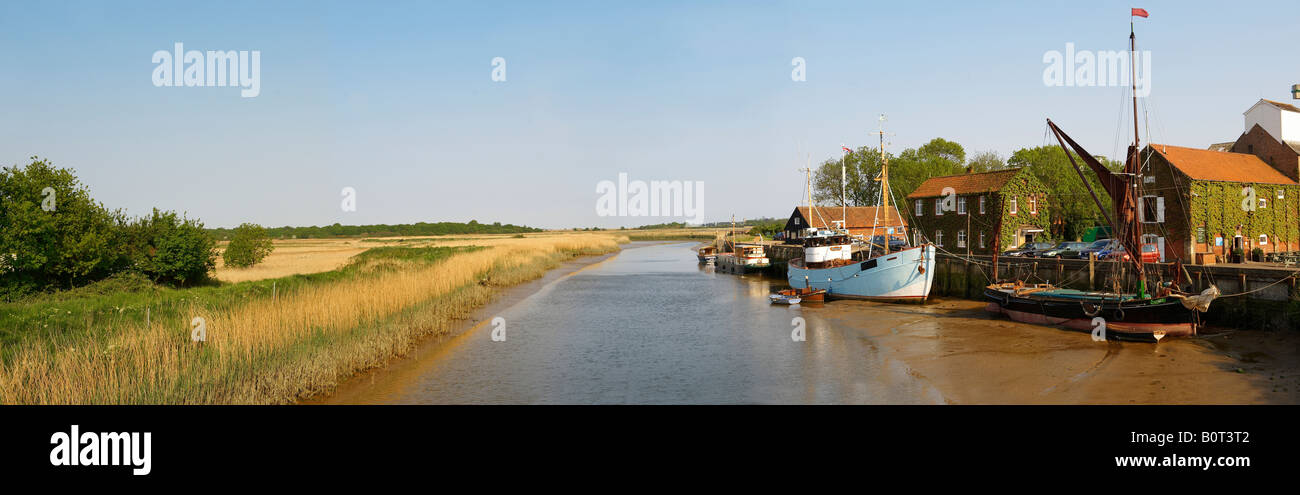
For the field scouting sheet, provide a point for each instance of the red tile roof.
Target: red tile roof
(964, 183)
(1221, 166)
(859, 216)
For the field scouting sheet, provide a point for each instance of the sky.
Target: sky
(397, 100)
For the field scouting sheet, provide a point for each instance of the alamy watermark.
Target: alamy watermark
(659, 198)
(195, 68)
(1087, 68)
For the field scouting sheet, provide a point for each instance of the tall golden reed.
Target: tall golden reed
(277, 351)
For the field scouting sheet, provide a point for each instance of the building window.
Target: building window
(796, 220)
(1033, 205)
(938, 238)
(938, 207)
(981, 205)
(1281, 194)
(1151, 209)
(1263, 239)
(981, 238)
(919, 209)
(961, 238)
(1263, 203)
(1200, 235)
(1014, 204)
(961, 206)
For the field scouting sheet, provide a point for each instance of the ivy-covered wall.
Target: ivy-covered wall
(1217, 207)
(1022, 186)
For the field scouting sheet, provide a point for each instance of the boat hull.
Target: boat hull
(1143, 320)
(729, 263)
(905, 276)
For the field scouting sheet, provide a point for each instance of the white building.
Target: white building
(1280, 120)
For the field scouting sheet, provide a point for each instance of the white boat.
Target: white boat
(784, 299)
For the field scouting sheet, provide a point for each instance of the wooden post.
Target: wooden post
(948, 276)
(1243, 281)
(1060, 272)
(1092, 271)
(966, 291)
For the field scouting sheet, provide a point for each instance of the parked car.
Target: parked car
(1060, 250)
(1030, 249)
(1150, 253)
(895, 244)
(1095, 247)
(1115, 251)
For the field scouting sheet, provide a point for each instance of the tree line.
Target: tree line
(1073, 211)
(54, 235)
(383, 230)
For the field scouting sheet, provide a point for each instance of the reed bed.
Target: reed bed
(281, 348)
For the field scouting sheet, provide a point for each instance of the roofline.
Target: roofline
(1190, 178)
(1271, 103)
(914, 196)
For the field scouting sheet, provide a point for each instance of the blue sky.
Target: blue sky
(396, 100)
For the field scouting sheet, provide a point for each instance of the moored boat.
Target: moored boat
(1124, 316)
(1131, 313)
(780, 298)
(898, 275)
(707, 254)
(746, 258)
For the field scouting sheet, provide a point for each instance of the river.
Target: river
(651, 326)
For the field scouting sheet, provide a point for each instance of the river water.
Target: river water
(651, 326)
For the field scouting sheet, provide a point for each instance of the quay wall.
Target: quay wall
(1271, 302)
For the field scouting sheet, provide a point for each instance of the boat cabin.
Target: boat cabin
(824, 247)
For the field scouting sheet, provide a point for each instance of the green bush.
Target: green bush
(52, 234)
(249, 245)
(170, 248)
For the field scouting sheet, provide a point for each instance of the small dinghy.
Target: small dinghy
(779, 298)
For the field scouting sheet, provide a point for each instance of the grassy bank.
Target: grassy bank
(93, 346)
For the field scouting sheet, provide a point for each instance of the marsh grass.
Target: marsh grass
(94, 347)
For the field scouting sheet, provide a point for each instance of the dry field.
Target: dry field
(301, 343)
(293, 257)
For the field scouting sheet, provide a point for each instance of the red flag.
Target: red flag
(846, 149)
(1139, 12)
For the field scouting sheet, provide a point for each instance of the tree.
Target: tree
(51, 231)
(248, 246)
(1074, 211)
(986, 161)
(907, 171)
(171, 248)
(860, 170)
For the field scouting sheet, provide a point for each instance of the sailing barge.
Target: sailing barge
(1132, 314)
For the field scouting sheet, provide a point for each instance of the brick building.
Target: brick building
(1199, 201)
(1011, 203)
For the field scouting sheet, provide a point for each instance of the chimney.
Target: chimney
(1295, 91)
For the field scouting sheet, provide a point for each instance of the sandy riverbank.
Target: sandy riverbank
(972, 357)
